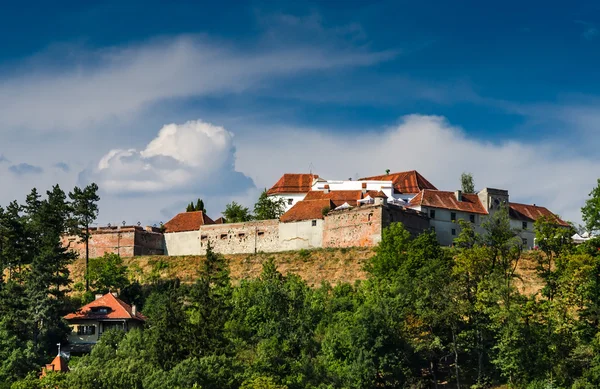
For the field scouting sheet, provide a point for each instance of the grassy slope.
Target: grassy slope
(314, 266)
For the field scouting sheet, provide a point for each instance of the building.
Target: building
(445, 209)
(126, 241)
(106, 312)
(58, 364)
(326, 213)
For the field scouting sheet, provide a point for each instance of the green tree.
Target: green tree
(267, 208)
(84, 204)
(107, 273)
(466, 183)
(590, 212)
(236, 213)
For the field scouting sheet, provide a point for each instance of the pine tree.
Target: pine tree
(85, 211)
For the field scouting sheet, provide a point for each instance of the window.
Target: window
(290, 201)
(524, 225)
(432, 213)
(314, 223)
(454, 231)
(369, 217)
(241, 235)
(101, 310)
(86, 330)
(472, 218)
(261, 233)
(453, 216)
(223, 236)
(203, 237)
(524, 241)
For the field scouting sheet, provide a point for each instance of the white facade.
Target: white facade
(305, 234)
(182, 243)
(290, 199)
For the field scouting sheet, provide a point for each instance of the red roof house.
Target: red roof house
(293, 183)
(188, 221)
(105, 313)
(404, 182)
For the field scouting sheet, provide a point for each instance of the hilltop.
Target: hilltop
(333, 265)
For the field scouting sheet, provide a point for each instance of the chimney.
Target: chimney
(364, 188)
(133, 310)
(326, 188)
(458, 195)
(99, 296)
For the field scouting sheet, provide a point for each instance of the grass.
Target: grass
(314, 266)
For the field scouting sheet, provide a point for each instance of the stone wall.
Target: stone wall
(362, 226)
(357, 227)
(301, 235)
(126, 241)
(414, 222)
(249, 237)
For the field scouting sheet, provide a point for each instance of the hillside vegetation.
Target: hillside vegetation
(333, 265)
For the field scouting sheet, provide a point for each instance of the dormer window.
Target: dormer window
(290, 201)
(100, 310)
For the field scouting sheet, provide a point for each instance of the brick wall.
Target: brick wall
(126, 241)
(357, 227)
(362, 226)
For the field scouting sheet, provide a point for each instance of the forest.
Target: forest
(425, 317)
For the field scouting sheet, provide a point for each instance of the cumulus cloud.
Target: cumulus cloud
(534, 172)
(25, 168)
(190, 157)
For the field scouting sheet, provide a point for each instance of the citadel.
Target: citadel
(323, 213)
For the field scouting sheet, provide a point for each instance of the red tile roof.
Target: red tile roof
(293, 183)
(339, 197)
(404, 182)
(527, 212)
(187, 221)
(447, 200)
(220, 220)
(118, 309)
(58, 364)
(307, 210)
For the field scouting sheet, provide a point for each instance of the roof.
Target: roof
(220, 220)
(118, 310)
(380, 194)
(528, 212)
(59, 363)
(404, 182)
(447, 200)
(307, 210)
(293, 183)
(188, 221)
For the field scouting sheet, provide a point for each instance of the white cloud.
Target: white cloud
(182, 157)
(95, 86)
(533, 172)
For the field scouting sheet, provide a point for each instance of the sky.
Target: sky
(161, 103)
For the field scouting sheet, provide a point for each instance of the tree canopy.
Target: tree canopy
(467, 183)
(591, 210)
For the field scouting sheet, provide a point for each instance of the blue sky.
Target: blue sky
(508, 91)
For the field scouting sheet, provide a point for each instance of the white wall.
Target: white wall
(301, 235)
(294, 197)
(182, 243)
(384, 186)
(527, 235)
(444, 225)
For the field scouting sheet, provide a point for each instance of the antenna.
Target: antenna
(311, 167)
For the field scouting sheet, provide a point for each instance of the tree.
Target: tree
(199, 206)
(267, 208)
(236, 213)
(107, 273)
(466, 183)
(85, 211)
(591, 210)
